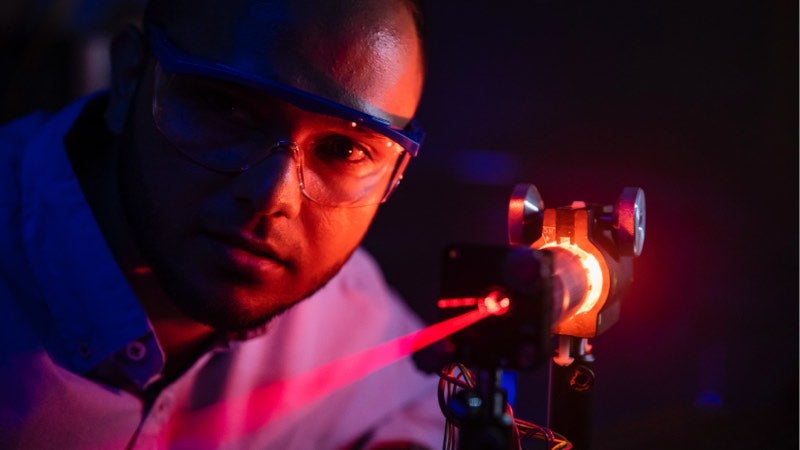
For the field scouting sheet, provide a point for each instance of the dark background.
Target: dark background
(694, 102)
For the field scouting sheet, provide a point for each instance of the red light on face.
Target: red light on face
(496, 303)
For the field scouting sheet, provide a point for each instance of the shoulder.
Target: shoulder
(361, 271)
(14, 138)
(19, 131)
(361, 286)
(26, 143)
(354, 311)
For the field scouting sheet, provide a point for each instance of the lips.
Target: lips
(246, 253)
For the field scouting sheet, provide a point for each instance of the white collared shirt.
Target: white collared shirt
(68, 319)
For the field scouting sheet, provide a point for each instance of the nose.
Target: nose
(271, 187)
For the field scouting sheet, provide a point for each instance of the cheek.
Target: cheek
(338, 231)
(178, 194)
(172, 190)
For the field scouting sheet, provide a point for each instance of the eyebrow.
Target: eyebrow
(264, 100)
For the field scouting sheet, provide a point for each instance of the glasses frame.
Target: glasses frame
(175, 60)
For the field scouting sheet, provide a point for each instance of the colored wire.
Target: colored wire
(458, 377)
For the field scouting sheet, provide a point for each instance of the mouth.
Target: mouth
(243, 253)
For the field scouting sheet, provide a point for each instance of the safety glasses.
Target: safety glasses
(224, 119)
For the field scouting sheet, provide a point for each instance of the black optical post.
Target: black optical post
(485, 425)
(570, 395)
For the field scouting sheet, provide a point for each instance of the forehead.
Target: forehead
(361, 53)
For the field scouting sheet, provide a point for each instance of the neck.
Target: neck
(181, 339)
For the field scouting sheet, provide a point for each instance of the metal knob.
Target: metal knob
(525, 211)
(629, 221)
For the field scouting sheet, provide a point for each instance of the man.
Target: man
(188, 275)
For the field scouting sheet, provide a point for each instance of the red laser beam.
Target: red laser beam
(456, 302)
(495, 303)
(269, 402)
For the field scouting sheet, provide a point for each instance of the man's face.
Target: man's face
(234, 250)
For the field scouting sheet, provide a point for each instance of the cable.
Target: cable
(457, 377)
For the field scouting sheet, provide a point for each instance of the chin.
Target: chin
(227, 305)
(233, 301)
(226, 311)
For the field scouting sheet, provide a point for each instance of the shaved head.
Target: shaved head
(163, 12)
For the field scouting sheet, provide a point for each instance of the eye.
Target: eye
(338, 148)
(217, 104)
(228, 107)
(219, 101)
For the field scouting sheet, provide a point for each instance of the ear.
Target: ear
(128, 59)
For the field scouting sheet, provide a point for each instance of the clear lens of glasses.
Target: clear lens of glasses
(229, 128)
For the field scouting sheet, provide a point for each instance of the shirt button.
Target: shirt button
(135, 351)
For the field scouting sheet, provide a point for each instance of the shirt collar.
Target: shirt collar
(102, 328)
(94, 310)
